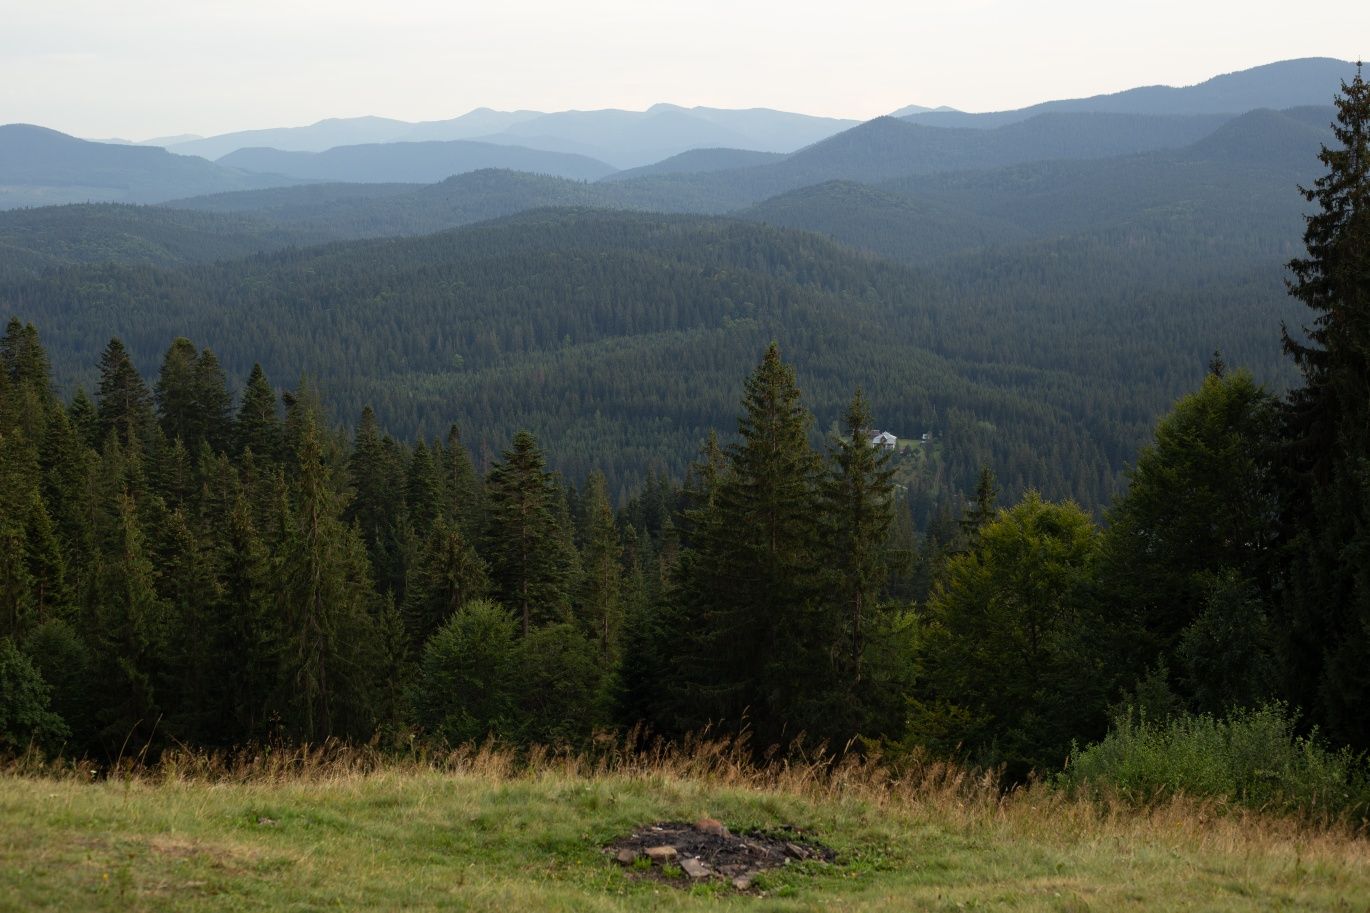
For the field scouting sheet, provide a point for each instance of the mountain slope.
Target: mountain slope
(422, 163)
(40, 166)
(620, 338)
(902, 228)
(1283, 84)
(33, 240)
(699, 161)
(887, 148)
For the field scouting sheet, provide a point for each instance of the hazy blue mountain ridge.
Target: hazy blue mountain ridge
(421, 163)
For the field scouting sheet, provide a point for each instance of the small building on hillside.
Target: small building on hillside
(883, 439)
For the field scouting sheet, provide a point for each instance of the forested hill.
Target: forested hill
(618, 338)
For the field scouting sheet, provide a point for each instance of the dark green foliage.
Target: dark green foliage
(1226, 655)
(1253, 757)
(858, 510)
(258, 427)
(324, 606)
(1200, 503)
(1006, 672)
(561, 677)
(750, 592)
(1012, 357)
(600, 603)
(445, 575)
(470, 675)
(527, 564)
(129, 624)
(1327, 490)
(26, 717)
(125, 405)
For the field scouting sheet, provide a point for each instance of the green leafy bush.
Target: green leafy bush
(1252, 758)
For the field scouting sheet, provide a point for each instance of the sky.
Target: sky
(143, 68)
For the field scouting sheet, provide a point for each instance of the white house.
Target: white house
(884, 439)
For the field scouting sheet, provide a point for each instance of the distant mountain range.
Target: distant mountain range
(703, 160)
(625, 139)
(40, 167)
(420, 163)
(1308, 81)
(1237, 181)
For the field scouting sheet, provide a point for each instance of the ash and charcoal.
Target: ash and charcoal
(708, 850)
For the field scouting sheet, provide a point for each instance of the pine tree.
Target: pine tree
(324, 603)
(129, 625)
(983, 508)
(175, 393)
(601, 607)
(423, 492)
(858, 508)
(259, 426)
(527, 561)
(376, 471)
(462, 486)
(213, 403)
(19, 476)
(751, 587)
(1328, 486)
(124, 403)
(246, 631)
(446, 575)
(84, 417)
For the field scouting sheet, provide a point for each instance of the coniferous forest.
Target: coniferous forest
(182, 565)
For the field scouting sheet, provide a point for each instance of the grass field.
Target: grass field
(477, 832)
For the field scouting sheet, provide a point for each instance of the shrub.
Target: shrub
(25, 716)
(467, 675)
(1252, 758)
(561, 680)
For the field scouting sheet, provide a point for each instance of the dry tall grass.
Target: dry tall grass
(916, 788)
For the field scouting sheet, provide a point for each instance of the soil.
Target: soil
(716, 852)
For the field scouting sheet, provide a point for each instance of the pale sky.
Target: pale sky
(143, 68)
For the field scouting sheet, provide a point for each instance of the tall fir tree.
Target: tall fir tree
(1328, 490)
(124, 403)
(527, 562)
(858, 508)
(752, 587)
(258, 427)
(601, 589)
(446, 575)
(324, 601)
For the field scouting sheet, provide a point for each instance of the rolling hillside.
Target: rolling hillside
(41, 167)
(1049, 363)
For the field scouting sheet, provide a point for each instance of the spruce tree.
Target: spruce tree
(1328, 487)
(324, 601)
(858, 508)
(124, 403)
(128, 622)
(752, 587)
(175, 393)
(527, 560)
(601, 590)
(462, 486)
(258, 427)
(213, 403)
(983, 508)
(446, 575)
(376, 470)
(246, 630)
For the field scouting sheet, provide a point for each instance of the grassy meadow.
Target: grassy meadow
(337, 829)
